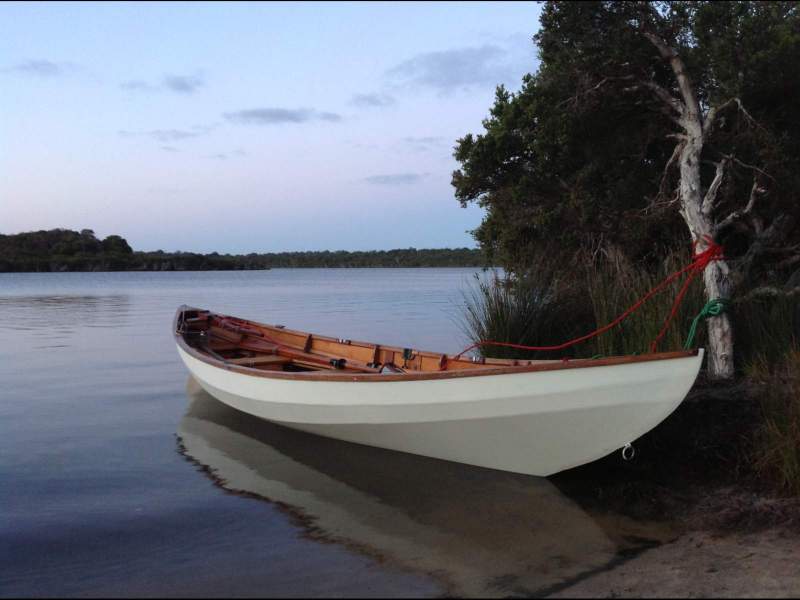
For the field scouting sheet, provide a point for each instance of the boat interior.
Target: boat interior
(271, 348)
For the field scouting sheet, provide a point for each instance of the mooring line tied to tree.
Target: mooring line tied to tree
(699, 263)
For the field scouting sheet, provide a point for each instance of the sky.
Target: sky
(254, 127)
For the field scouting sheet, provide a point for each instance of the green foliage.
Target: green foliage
(577, 154)
(64, 250)
(115, 243)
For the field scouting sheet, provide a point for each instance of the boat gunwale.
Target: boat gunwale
(411, 376)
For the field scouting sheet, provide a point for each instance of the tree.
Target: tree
(649, 114)
(116, 243)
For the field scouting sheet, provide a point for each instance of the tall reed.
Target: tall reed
(767, 327)
(542, 307)
(559, 298)
(614, 283)
(775, 450)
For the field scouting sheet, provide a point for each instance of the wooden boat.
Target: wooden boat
(532, 417)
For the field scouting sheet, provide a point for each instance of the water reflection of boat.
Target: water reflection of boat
(534, 417)
(485, 532)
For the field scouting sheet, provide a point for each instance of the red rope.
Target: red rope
(699, 263)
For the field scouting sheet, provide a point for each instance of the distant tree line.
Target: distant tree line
(59, 250)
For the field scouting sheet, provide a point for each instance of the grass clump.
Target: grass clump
(542, 307)
(767, 327)
(560, 298)
(615, 283)
(775, 451)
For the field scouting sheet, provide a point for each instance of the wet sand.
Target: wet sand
(703, 564)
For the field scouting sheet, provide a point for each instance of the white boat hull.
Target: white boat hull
(536, 423)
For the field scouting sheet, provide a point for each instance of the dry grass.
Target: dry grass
(558, 299)
(615, 283)
(775, 452)
(767, 328)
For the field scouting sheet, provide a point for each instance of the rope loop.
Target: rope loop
(713, 308)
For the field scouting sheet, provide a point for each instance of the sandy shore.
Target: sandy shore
(703, 564)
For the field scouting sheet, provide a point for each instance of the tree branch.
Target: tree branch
(662, 191)
(746, 166)
(769, 236)
(574, 99)
(767, 291)
(667, 53)
(708, 122)
(738, 214)
(661, 93)
(691, 106)
(711, 195)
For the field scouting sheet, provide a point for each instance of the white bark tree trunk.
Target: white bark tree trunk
(695, 208)
(720, 330)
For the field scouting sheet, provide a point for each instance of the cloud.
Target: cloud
(169, 149)
(226, 155)
(273, 116)
(42, 68)
(136, 85)
(178, 84)
(183, 84)
(329, 116)
(372, 100)
(424, 143)
(396, 178)
(173, 135)
(456, 69)
(166, 136)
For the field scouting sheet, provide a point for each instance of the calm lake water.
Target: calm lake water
(120, 477)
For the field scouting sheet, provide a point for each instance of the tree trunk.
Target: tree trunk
(715, 277)
(699, 221)
(720, 331)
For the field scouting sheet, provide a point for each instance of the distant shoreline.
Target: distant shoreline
(63, 250)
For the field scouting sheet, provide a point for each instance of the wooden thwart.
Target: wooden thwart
(267, 359)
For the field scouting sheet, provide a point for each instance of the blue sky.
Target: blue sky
(249, 127)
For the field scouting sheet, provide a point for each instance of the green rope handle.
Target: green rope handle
(712, 308)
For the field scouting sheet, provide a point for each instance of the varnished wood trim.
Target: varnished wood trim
(505, 368)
